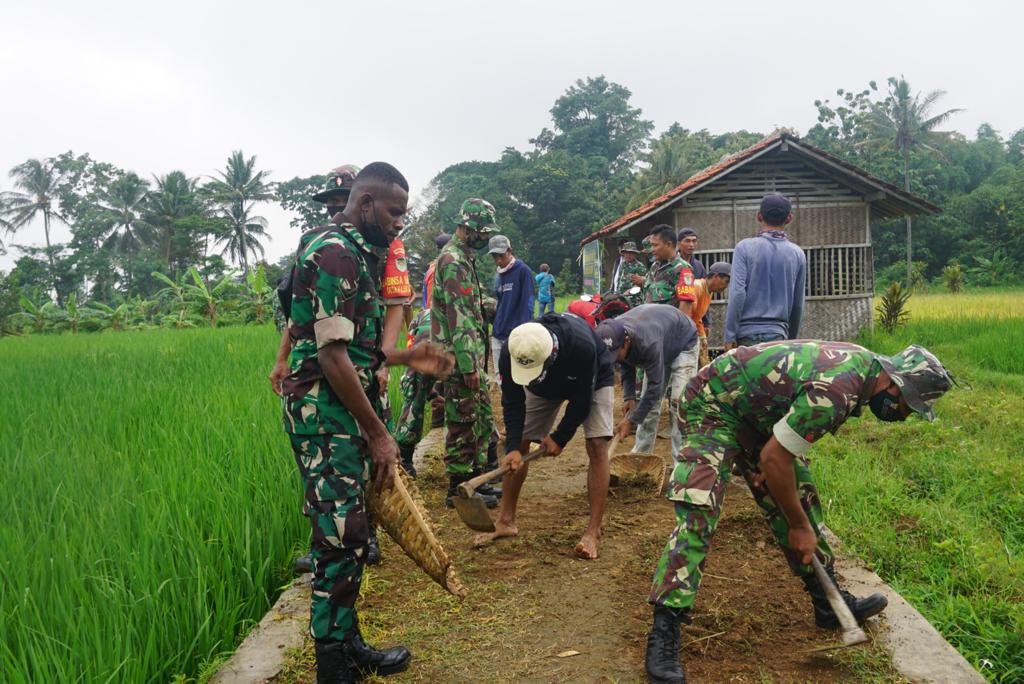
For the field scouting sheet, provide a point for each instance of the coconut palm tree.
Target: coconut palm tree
(173, 200)
(905, 122)
(236, 191)
(123, 203)
(35, 197)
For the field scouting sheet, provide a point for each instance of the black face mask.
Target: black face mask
(478, 241)
(372, 232)
(331, 211)
(886, 407)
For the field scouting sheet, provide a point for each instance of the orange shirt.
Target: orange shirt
(395, 287)
(701, 302)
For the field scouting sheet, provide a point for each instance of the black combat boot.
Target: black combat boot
(332, 663)
(454, 481)
(303, 564)
(373, 547)
(662, 661)
(371, 661)
(862, 608)
(406, 452)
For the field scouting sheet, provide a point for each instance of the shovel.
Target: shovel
(635, 465)
(471, 508)
(851, 634)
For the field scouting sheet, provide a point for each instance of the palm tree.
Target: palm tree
(905, 121)
(123, 203)
(237, 190)
(36, 182)
(173, 200)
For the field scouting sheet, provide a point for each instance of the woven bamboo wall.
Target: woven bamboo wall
(824, 319)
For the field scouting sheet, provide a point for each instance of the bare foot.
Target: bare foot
(587, 548)
(501, 530)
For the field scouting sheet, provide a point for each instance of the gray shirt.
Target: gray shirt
(766, 290)
(659, 333)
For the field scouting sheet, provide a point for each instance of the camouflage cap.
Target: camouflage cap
(629, 246)
(339, 181)
(477, 214)
(921, 377)
(646, 242)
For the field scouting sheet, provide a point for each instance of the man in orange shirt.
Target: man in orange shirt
(697, 294)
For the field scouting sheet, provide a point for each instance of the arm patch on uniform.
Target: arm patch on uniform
(335, 328)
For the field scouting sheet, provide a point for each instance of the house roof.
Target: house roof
(887, 199)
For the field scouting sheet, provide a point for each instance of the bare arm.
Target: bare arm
(341, 374)
(777, 466)
(394, 315)
(280, 369)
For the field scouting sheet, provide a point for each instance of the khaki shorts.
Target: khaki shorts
(541, 414)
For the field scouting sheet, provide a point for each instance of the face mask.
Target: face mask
(886, 407)
(478, 241)
(372, 232)
(331, 211)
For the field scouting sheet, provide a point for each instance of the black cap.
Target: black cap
(775, 208)
(612, 333)
(442, 240)
(686, 232)
(720, 268)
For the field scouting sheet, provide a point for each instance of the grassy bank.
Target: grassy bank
(150, 502)
(938, 509)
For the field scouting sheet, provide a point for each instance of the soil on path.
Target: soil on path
(532, 601)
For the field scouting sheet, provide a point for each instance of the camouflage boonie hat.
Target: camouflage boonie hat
(628, 246)
(922, 379)
(339, 181)
(477, 214)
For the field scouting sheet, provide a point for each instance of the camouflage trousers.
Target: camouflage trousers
(416, 389)
(711, 446)
(334, 469)
(470, 421)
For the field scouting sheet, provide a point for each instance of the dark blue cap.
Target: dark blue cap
(775, 208)
(686, 232)
(612, 333)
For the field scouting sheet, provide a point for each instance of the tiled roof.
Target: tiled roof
(737, 159)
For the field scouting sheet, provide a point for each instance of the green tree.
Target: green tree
(35, 196)
(905, 122)
(176, 214)
(296, 195)
(236, 192)
(123, 205)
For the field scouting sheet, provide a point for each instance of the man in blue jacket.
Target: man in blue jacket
(766, 291)
(514, 293)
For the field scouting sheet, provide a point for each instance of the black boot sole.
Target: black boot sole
(833, 623)
(385, 671)
(658, 680)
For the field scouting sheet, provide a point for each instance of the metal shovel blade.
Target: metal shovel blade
(473, 512)
(846, 640)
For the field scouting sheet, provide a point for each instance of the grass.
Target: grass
(150, 502)
(938, 509)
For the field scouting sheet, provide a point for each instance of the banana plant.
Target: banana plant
(38, 317)
(259, 295)
(208, 299)
(175, 292)
(113, 318)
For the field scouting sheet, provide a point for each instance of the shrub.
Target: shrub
(892, 309)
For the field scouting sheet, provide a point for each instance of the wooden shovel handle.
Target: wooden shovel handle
(469, 485)
(839, 607)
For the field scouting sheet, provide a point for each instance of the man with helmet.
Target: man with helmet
(761, 408)
(458, 323)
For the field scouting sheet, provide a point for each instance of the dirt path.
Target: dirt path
(532, 600)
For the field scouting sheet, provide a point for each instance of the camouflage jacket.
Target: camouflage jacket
(660, 286)
(797, 390)
(625, 283)
(457, 319)
(335, 298)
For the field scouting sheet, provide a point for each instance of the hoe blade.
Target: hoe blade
(473, 512)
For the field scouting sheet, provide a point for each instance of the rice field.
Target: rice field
(151, 505)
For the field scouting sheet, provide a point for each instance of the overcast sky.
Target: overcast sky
(306, 86)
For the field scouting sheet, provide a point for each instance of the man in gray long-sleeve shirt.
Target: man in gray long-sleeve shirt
(766, 292)
(663, 341)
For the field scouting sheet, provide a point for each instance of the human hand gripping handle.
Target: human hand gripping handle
(513, 460)
(384, 454)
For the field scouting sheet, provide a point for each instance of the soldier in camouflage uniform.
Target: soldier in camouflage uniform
(663, 276)
(458, 323)
(761, 408)
(332, 410)
(632, 272)
(416, 389)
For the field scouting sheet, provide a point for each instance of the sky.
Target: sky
(307, 86)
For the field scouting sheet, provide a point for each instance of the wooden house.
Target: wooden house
(834, 206)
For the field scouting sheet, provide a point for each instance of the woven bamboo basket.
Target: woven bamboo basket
(401, 513)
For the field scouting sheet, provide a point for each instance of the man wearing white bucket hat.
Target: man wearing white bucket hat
(546, 363)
